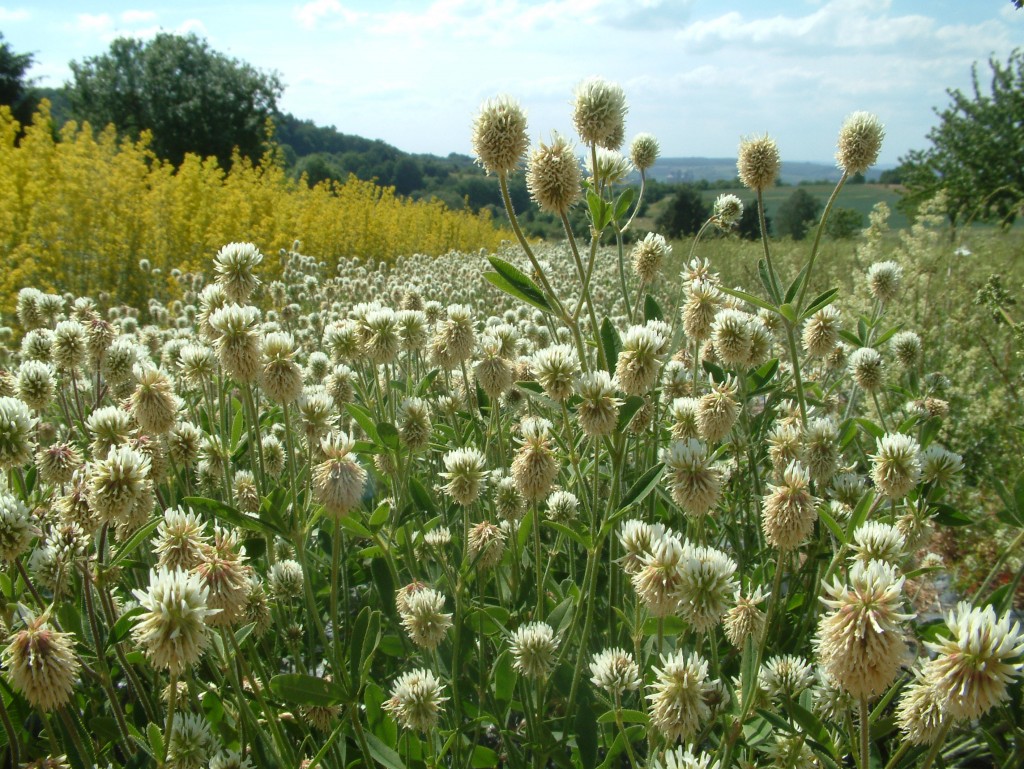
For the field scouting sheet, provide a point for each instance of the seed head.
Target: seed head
(745, 619)
(643, 151)
(154, 404)
(648, 255)
(486, 544)
(640, 359)
(975, 662)
(599, 113)
(860, 139)
(758, 162)
(173, 630)
(694, 482)
(466, 474)
(16, 428)
(727, 211)
(41, 664)
(416, 700)
(556, 368)
(615, 671)
(677, 702)
(553, 176)
(706, 587)
(499, 135)
(424, 618)
(598, 411)
(533, 649)
(897, 465)
(860, 642)
(884, 279)
(789, 510)
(339, 480)
(234, 264)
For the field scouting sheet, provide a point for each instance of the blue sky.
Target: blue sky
(698, 74)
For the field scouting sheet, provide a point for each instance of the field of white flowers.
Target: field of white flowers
(553, 507)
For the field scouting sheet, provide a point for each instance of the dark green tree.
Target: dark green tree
(749, 225)
(15, 86)
(797, 213)
(684, 215)
(844, 223)
(977, 150)
(192, 98)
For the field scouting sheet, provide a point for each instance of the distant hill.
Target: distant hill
(688, 170)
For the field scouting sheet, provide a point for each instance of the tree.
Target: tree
(193, 99)
(685, 213)
(844, 223)
(15, 87)
(977, 150)
(797, 213)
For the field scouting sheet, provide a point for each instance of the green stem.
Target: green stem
(940, 738)
(622, 276)
(797, 379)
(172, 700)
(817, 237)
(865, 734)
(777, 294)
(12, 735)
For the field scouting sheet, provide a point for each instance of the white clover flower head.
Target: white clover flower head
(758, 162)
(533, 648)
(556, 368)
(599, 113)
(727, 211)
(424, 618)
(173, 630)
(877, 541)
(644, 150)
(615, 671)
(16, 433)
(466, 474)
(416, 700)
(884, 279)
(896, 467)
(612, 167)
(234, 264)
(499, 138)
(553, 175)
(860, 140)
(677, 706)
(976, 662)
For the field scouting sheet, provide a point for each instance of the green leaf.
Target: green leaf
(611, 344)
(628, 717)
(228, 514)
(623, 203)
(385, 584)
(764, 374)
(388, 435)
(810, 722)
(365, 420)
(830, 522)
(748, 669)
(514, 281)
(886, 336)
(766, 280)
(788, 312)
(717, 372)
(600, 210)
(303, 689)
(483, 758)
(1018, 495)
(322, 753)
(796, 284)
(141, 535)
(850, 337)
(823, 300)
(644, 486)
(421, 496)
(123, 626)
(578, 537)
(585, 727)
(352, 526)
(380, 515)
(754, 300)
(876, 431)
(237, 425)
(382, 754)
(504, 678)
(652, 310)
(155, 735)
(355, 641)
(860, 514)
(629, 407)
(948, 515)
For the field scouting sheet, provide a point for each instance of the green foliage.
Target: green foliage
(191, 98)
(976, 155)
(749, 226)
(15, 86)
(844, 223)
(797, 214)
(685, 214)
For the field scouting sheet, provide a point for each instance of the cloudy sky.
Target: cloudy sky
(697, 73)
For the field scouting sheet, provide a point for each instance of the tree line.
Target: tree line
(189, 98)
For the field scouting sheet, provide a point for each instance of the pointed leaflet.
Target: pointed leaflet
(515, 282)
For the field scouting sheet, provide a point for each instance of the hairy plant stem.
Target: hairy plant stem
(865, 733)
(773, 279)
(817, 238)
(12, 736)
(940, 738)
(594, 328)
(524, 243)
(622, 275)
(172, 701)
(797, 379)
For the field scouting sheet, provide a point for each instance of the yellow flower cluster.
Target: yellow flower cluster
(79, 209)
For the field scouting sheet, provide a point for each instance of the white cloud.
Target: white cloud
(94, 23)
(14, 14)
(311, 14)
(132, 16)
